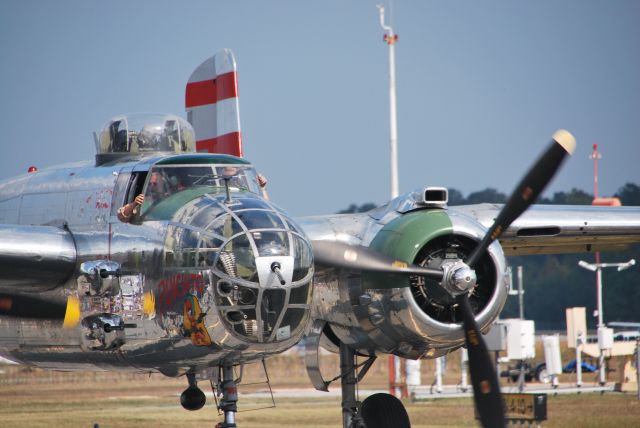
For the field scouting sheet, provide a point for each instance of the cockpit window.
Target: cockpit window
(169, 187)
(239, 177)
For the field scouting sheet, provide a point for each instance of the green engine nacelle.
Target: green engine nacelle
(402, 239)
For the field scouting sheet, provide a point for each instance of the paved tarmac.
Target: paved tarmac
(424, 392)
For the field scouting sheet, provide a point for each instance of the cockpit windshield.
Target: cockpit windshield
(169, 187)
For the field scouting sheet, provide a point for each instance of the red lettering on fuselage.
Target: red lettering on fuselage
(177, 286)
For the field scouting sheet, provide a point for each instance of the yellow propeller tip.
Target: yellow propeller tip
(566, 140)
(72, 315)
(149, 303)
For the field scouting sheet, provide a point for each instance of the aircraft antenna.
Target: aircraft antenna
(390, 38)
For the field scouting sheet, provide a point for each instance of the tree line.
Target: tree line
(553, 283)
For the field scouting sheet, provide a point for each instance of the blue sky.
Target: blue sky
(481, 87)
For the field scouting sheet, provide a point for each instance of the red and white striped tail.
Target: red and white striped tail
(211, 100)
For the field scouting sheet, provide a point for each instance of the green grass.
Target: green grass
(41, 399)
(133, 404)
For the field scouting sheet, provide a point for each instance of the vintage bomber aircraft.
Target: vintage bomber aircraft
(207, 274)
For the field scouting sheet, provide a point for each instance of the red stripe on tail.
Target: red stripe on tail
(211, 91)
(230, 144)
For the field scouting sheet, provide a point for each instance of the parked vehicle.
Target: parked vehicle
(538, 371)
(626, 336)
(531, 371)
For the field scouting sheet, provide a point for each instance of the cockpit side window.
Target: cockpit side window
(240, 177)
(128, 186)
(136, 185)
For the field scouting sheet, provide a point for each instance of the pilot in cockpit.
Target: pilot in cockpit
(157, 189)
(128, 211)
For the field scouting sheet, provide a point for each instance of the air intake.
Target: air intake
(435, 196)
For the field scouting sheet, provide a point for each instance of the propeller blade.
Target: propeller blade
(486, 389)
(528, 189)
(339, 254)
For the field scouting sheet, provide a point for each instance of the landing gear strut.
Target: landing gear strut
(376, 411)
(229, 400)
(350, 406)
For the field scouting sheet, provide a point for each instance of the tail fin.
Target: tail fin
(211, 100)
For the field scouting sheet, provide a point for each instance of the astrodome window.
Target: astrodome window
(146, 133)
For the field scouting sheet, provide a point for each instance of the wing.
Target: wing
(549, 229)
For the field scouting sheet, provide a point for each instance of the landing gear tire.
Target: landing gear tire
(384, 411)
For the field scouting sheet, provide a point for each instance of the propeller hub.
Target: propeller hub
(459, 278)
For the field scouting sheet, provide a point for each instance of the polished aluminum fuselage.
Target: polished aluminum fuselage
(53, 221)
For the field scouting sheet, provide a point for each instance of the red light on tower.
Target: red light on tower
(32, 169)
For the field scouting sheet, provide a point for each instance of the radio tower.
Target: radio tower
(595, 155)
(391, 38)
(396, 386)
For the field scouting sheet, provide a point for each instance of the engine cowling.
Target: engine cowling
(411, 316)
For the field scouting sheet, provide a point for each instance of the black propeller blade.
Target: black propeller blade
(486, 388)
(339, 254)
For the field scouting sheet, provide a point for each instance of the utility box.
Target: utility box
(496, 338)
(521, 339)
(605, 338)
(576, 325)
(413, 372)
(552, 354)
